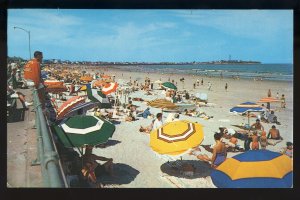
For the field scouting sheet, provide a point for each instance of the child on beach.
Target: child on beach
(288, 150)
(263, 140)
(255, 145)
(226, 87)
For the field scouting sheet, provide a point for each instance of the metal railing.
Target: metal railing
(47, 155)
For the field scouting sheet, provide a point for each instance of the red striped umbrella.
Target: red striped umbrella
(109, 88)
(68, 105)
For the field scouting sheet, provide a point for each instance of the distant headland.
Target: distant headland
(59, 61)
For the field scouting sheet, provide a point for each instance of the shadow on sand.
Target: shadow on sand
(123, 172)
(175, 168)
(108, 144)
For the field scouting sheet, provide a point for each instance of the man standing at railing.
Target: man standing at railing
(32, 72)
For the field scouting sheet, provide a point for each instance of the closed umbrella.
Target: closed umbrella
(80, 130)
(175, 138)
(109, 88)
(169, 85)
(255, 169)
(68, 105)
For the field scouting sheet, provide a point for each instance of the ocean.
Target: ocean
(275, 72)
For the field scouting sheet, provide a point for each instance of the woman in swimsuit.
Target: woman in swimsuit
(219, 152)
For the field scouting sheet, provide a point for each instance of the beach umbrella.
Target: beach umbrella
(98, 83)
(109, 88)
(56, 89)
(80, 130)
(162, 103)
(169, 85)
(53, 82)
(158, 81)
(98, 96)
(175, 138)
(268, 100)
(246, 106)
(68, 105)
(255, 169)
(86, 78)
(44, 74)
(105, 76)
(201, 96)
(83, 88)
(81, 107)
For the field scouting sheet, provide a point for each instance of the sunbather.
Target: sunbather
(89, 157)
(288, 150)
(219, 152)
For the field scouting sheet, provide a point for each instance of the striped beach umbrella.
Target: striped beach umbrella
(82, 107)
(255, 169)
(98, 96)
(80, 130)
(169, 85)
(175, 138)
(53, 82)
(162, 103)
(104, 76)
(68, 105)
(268, 100)
(98, 83)
(109, 88)
(246, 106)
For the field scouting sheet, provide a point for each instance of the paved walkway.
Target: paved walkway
(22, 150)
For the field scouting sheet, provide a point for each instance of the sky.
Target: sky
(153, 35)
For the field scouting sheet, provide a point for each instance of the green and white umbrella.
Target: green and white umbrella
(81, 130)
(98, 96)
(169, 85)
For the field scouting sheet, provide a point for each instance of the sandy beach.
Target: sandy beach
(131, 148)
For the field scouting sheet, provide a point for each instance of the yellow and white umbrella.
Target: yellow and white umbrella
(175, 138)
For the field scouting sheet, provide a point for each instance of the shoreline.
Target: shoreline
(120, 68)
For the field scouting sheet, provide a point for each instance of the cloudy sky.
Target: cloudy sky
(153, 35)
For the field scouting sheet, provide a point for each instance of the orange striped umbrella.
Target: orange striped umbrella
(98, 83)
(109, 88)
(68, 105)
(268, 100)
(105, 76)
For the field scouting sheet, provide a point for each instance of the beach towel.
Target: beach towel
(273, 142)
